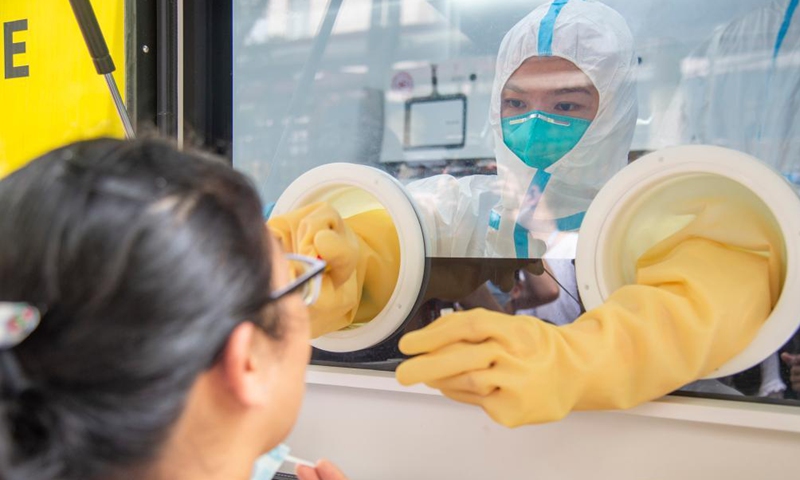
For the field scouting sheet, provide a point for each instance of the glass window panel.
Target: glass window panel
(406, 86)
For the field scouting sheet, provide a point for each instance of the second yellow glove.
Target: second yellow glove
(696, 303)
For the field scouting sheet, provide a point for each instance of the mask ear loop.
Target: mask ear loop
(564, 289)
(14, 381)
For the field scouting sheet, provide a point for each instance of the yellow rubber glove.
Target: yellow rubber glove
(378, 262)
(363, 256)
(701, 295)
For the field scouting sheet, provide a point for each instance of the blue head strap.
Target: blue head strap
(541, 179)
(787, 22)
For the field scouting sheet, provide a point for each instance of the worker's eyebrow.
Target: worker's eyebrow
(514, 87)
(564, 91)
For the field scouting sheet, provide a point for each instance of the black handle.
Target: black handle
(93, 36)
(434, 81)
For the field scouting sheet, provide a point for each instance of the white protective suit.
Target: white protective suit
(741, 90)
(478, 216)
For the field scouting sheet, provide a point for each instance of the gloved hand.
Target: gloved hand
(378, 261)
(696, 303)
(363, 257)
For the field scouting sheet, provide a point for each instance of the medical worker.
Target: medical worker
(562, 114)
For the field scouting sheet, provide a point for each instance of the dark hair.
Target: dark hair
(143, 259)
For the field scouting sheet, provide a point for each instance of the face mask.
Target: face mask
(541, 139)
(267, 465)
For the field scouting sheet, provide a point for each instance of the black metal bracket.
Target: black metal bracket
(208, 70)
(167, 67)
(140, 65)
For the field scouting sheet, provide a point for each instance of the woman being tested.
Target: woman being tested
(150, 327)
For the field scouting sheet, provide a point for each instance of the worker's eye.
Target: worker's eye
(567, 107)
(514, 103)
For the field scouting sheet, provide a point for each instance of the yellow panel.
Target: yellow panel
(59, 97)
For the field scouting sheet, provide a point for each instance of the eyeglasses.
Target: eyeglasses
(308, 281)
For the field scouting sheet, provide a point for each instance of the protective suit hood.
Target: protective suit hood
(597, 40)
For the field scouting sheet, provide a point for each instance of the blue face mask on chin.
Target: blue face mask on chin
(541, 139)
(267, 465)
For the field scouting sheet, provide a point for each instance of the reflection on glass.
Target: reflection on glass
(504, 155)
(737, 90)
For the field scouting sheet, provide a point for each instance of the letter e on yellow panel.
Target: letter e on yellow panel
(50, 93)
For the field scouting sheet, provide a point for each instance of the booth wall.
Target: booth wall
(379, 435)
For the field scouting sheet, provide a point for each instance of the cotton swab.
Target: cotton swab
(299, 461)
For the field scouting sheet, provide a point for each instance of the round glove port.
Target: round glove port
(353, 189)
(650, 200)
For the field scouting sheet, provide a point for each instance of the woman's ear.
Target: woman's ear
(243, 366)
